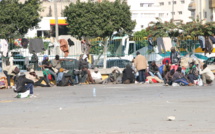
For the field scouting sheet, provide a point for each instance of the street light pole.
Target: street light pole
(56, 26)
(56, 20)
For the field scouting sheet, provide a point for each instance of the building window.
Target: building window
(174, 2)
(150, 15)
(193, 14)
(141, 4)
(205, 15)
(180, 12)
(161, 14)
(150, 5)
(169, 2)
(134, 15)
(182, 1)
(161, 3)
(142, 26)
(173, 13)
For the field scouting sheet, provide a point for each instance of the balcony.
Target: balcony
(192, 6)
(212, 3)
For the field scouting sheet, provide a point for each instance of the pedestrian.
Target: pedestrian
(175, 58)
(34, 60)
(140, 63)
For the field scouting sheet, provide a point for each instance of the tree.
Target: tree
(16, 18)
(141, 34)
(99, 19)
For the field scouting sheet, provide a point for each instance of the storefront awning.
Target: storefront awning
(60, 22)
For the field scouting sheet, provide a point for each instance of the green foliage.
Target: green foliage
(99, 19)
(16, 18)
(140, 34)
(160, 29)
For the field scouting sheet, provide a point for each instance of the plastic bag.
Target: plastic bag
(200, 82)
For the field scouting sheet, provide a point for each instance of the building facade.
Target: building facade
(145, 11)
(204, 9)
(178, 9)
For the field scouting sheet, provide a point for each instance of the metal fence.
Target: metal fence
(120, 51)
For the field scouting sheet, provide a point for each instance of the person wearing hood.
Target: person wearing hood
(23, 84)
(128, 75)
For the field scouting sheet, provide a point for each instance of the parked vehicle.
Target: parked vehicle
(70, 64)
(121, 63)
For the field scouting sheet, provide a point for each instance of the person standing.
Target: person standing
(34, 60)
(175, 58)
(140, 63)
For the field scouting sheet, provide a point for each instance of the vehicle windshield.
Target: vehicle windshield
(115, 48)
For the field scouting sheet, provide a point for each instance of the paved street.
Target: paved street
(116, 109)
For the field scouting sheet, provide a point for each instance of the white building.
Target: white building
(178, 9)
(205, 9)
(145, 11)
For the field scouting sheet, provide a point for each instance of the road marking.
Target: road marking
(6, 101)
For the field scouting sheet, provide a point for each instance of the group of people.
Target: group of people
(138, 72)
(171, 71)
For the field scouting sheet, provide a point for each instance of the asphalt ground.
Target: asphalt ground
(111, 109)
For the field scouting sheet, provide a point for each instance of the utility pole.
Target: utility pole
(56, 26)
(56, 20)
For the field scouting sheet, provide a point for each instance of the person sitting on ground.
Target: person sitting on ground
(169, 77)
(179, 78)
(207, 75)
(152, 79)
(22, 84)
(114, 77)
(85, 74)
(153, 70)
(192, 73)
(166, 68)
(37, 80)
(128, 75)
(47, 66)
(10, 72)
(97, 77)
(64, 78)
(56, 62)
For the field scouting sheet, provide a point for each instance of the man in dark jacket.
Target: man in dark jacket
(153, 70)
(175, 58)
(23, 84)
(168, 78)
(128, 75)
